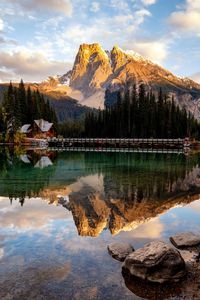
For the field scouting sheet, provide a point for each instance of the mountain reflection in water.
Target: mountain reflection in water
(125, 197)
(112, 191)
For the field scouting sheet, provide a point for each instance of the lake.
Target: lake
(59, 211)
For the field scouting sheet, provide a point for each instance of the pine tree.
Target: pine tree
(30, 108)
(22, 102)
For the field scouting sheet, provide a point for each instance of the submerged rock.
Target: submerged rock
(120, 251)
(155, 262)
(186, 239)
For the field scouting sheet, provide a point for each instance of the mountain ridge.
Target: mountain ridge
(97, 75)
(96, 71)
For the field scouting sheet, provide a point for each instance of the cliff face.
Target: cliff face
(91, 69)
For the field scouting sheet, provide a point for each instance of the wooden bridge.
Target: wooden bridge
(118, 143)
(117, 150)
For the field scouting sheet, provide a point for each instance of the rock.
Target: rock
(120, 251)
(186, 239)
(155, 262)
(189, 257)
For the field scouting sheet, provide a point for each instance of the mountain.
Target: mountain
(97, 75)
(96, 71)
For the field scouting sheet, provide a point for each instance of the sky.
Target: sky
(40, 38)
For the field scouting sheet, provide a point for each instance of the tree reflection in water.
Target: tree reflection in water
(115, 190)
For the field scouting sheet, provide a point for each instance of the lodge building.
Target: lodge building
(40, 129)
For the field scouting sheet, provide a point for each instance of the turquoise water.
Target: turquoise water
(59, 211)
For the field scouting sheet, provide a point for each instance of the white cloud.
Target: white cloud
(141, 14)
(60, 6)
(1, 25)
(119, 29)
(155, 50)
(195, 205)
(31, 66)
(37, 214)
(52, 23)
(187, 19)
(148, 2)
(119, 5)
(193, 4)
(95, 7)
(196, 77)
(152, 229)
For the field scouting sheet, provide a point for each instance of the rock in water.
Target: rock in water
(120, 251)
(186, 239)
(155, 262)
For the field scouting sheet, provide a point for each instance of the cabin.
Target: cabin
(40, 129)
(43, 129)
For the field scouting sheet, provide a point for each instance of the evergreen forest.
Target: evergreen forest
(138, 114)
(22, 106)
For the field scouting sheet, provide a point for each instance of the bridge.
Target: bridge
(118, 150)
(118, 143)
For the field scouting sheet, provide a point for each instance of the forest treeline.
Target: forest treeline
(138, 114)
(22, 106)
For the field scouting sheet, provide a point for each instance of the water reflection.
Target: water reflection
(103, 191)
(23, 175)
(113, 197)
(152, 291)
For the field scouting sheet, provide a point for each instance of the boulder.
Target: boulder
(186, 239)
(120, 251)
(155, 262)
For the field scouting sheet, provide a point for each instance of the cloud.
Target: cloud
(1, 253)
(29, 66)
(95, 7)
(4, 41)
(6, 75)
(34, 215)
(1, 25)
(152, 229)
(148, 2)
(119, 5)
(155, 50)
(52, 23)
(187, 19)
(141, 14)
(119, 29)
(59, 6)
(196, 204)
(196, 77)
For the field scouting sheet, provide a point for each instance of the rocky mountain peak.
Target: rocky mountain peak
(91, 68)
(96, 70)
(118, 58)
